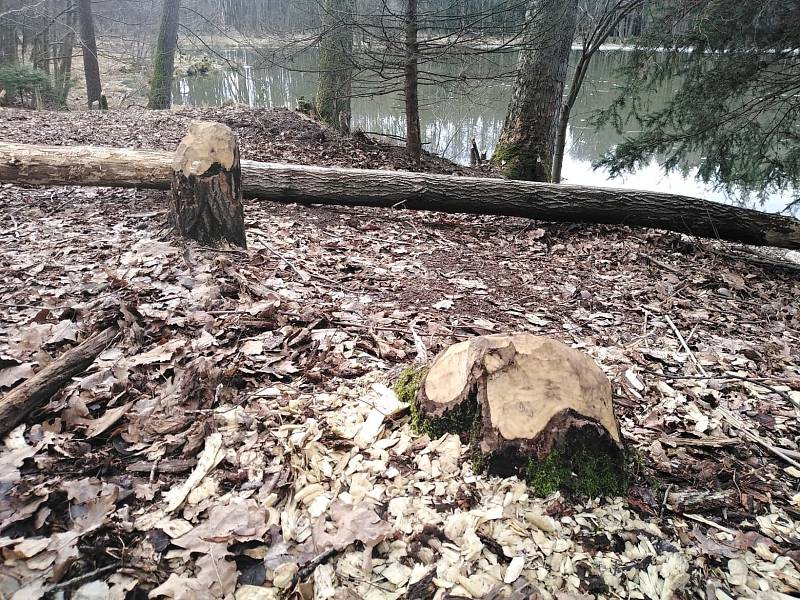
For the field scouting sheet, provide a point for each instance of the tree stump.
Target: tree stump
(207, 186)
(529, 406)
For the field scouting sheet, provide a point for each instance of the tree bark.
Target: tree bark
(207, 186)
(336, 64)
(164, 61)
(86, 165)
(526, 144)
(410, 84)
(91, 67)
(36, 391)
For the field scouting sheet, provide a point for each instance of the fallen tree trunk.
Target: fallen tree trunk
(34, 392)
(86, 165)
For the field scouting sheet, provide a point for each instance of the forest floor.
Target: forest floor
(225, 444)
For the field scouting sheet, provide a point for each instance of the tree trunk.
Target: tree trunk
(207, 186)
(8, 34)
(86, 165)
(40, 47)
(525, 148)
(34, 392)
(413, 133)
(563, 118)
(336, 64)
(91, 68)
(62, 54)
(164, 60)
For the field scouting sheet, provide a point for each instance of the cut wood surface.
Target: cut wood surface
(34, 392)
(530, 390)
(87, 165)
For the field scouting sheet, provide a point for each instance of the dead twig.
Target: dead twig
(663, 265)
(685, 346)
(760, 381)
(308, 569)
(704, 521)
(80, 579)
(305, 276)
(737, 423)
(16, 226)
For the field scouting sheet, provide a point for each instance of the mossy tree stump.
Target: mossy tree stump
(207, 186)
(529, 406)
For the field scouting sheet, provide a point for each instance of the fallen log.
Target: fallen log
(87, 165)
(34, 392)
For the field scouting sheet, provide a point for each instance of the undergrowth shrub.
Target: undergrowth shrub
(20, 85)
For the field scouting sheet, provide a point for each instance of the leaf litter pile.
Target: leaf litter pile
(239, 437)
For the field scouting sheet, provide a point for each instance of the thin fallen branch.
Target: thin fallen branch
(306, 277)
(704, 521)
(308, 569)
(36, 391)
(686, 346)
(737, 423)
(663, 265)
(80, 579)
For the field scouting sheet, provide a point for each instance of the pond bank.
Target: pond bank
(267, 135)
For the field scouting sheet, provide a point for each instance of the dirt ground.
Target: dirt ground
(219, 447)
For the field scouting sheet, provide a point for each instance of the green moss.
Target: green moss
(583, 472)
(464, 420)
(406, 388)
(480, 461)
(516, 162)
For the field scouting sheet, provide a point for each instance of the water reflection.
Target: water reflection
(451, 118)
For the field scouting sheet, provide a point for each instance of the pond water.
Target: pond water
(450, 118)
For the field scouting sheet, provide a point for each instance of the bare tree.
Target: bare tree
(164, 60)
(60, 30)
(91, 68)
(411, 83)
(336, 64)
(400, 46)
(526, 145)
(8, 32)
(596, 27)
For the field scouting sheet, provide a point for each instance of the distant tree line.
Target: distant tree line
(36, 44)
(261, 16)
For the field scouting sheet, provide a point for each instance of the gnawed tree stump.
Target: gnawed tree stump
(529, 406)
(207, 186)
